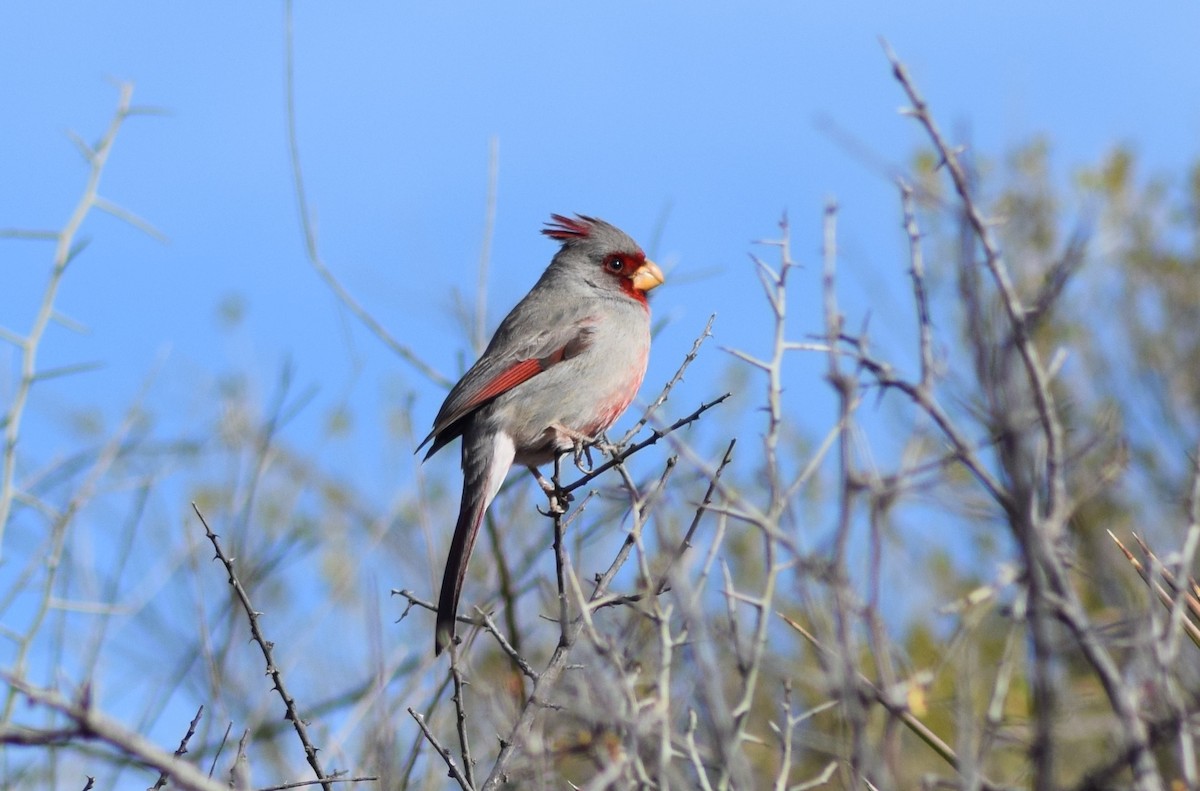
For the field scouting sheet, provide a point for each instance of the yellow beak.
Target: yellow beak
(647, 276)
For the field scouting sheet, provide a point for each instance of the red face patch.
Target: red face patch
(622, 266)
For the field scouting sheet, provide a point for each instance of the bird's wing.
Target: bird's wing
(504, 366)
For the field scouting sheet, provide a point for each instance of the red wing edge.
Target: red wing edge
(515, 374)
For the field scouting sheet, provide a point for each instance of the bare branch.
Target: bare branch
(98, 726)
(306, 783)
(181, 750)
(460, 716)
(441, 749)
(267, 647)
(1051, 425)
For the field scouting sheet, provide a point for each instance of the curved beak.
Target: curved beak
(647, 276)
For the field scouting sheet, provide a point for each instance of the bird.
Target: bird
(563, 365)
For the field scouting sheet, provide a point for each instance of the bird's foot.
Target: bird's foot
(602, 444)
(580, 452)
(558, 499)
(581, 447)
(557, 503)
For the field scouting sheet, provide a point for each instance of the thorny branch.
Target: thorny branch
(181, 750)
(267, 647)
(460, 717)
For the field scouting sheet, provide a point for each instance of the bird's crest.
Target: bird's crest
(565, 228)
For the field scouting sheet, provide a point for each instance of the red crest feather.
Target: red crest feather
(565, 228)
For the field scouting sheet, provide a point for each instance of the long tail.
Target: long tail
(485, 461)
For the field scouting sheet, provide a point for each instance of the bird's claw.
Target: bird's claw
(610, 449)
(601, 444)
(552, 490)
(581, 446)
(557, 504)
(582, 450)
(557, 497)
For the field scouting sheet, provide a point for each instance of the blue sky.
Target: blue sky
(706, 115)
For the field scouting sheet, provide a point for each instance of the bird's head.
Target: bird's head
(604, 255)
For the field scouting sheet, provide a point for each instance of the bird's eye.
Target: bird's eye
(615, 264)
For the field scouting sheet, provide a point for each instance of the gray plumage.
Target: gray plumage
(563, 365)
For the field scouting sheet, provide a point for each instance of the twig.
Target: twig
(415, 752)
(965, 451)
(548, 677)
(1167, 597)
(662, 703)
(560, 552)
(182, 749)
(845, 387)
(304, 783)
(821, 779)
(1044, 398)
(916, 259)
(455, 772)
(220, 749)
(239, 770)
(653, 439)
(1191, 543)
(784, 732)
(640, 506)
(686, 544)
(693, 752)
(460, 716)
(38, 737)
(27, 234)
(52, 560)
(490, 627)
(413, 601)
(994, 717)
(301, 728)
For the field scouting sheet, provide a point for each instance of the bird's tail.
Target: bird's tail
(485, 461)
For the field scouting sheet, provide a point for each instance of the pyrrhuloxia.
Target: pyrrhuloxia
(561, 368)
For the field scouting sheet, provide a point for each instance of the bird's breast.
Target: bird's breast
(582, 395)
